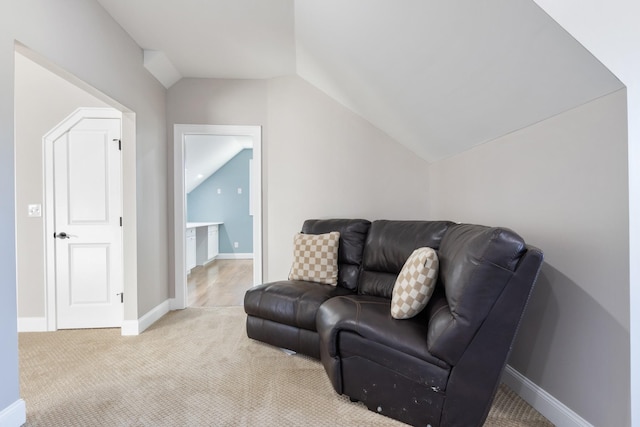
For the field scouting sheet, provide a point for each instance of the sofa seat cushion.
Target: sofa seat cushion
(291, 302)
(370, 318)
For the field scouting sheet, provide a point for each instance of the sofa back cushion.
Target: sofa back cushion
(353, 233)
(388, 246)
(476, 263)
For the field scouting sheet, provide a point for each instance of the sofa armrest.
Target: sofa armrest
(370, 318)
(344, 321)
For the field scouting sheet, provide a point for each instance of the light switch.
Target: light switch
(219, 191)
(239, 190)
(34, 210)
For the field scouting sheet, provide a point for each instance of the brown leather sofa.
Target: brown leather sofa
(439, 368)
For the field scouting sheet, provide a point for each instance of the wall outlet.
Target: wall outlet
(34, 210)
(235, 245)
(219, 190)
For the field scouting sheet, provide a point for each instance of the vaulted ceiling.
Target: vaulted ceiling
(438, 76)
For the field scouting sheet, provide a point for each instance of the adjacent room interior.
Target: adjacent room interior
(219, 239)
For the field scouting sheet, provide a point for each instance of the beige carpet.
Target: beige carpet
(194, 367)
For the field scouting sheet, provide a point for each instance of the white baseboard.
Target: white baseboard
(14, 415)
(32, 324)
(173, 305)
(235, 256)
(550, 407)
(136, 327)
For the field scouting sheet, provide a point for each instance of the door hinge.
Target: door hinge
(120, 221)
(119, 144)
(121, 294)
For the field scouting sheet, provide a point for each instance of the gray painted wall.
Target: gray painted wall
(562, 184)
(325, 161)
(204, 204)
(609, 29)
(81, 38)
(319, 158)
(42, 101)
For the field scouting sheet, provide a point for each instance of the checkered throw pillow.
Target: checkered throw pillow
(415, 284)
(315, 258)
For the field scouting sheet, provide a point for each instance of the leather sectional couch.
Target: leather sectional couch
(438, 368)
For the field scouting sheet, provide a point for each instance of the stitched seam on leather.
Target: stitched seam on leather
(486, 261)
(494, 237)
(358, 310)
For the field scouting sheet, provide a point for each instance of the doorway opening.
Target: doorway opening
(44, 95)
(208, 240)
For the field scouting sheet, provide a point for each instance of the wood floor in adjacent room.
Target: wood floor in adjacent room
(221, 283)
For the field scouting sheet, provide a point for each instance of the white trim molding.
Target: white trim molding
(136, 327)
(14, 415)
(550, 407)
(175, 305)
(48, 175)
(32, 324)
(235, 256)
(180, 131)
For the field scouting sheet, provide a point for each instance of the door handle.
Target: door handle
(63, 235)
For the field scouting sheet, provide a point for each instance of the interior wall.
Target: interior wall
(561, 184)
(609, 29)
(84, 41)
(206, 204)
(81, 38)
(325, 161)
(42, 101)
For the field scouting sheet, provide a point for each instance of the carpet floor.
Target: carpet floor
(194, 367)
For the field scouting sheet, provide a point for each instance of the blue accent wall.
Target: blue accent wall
(204, 204)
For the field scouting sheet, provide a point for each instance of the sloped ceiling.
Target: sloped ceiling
(206, 154)
(439, 77)
(237, 39)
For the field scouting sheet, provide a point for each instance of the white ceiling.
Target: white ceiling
(438, 76)
(442, 76)
(240, 39)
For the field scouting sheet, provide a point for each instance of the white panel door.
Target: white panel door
(88, 233)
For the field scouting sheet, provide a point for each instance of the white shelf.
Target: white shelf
(202, 224)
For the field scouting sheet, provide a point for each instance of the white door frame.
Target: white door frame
(179, 199)
(49, 226)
